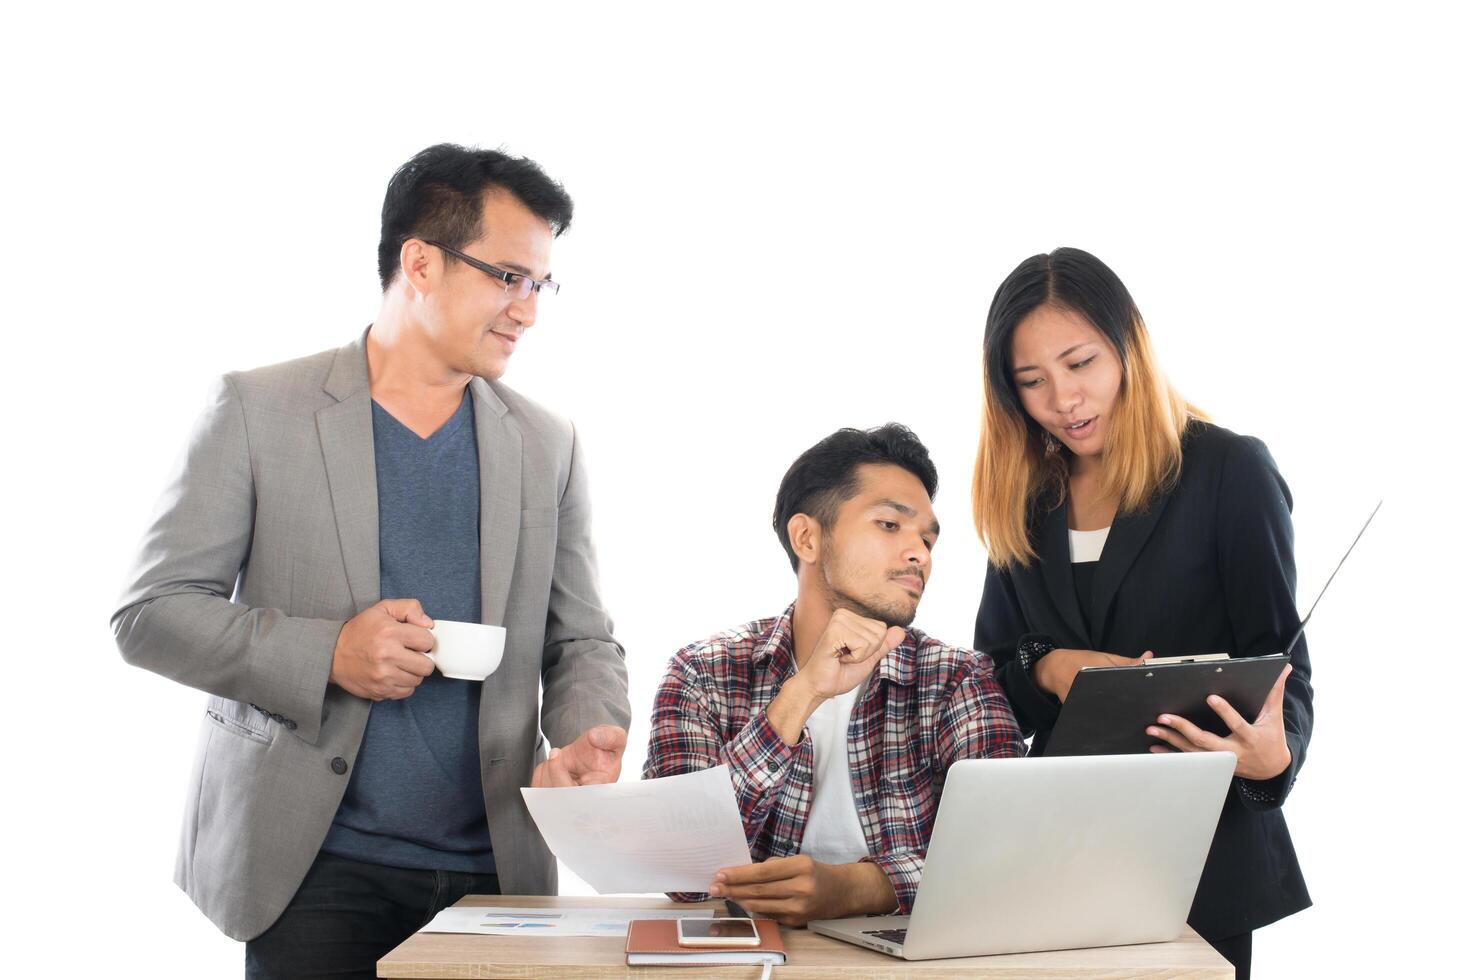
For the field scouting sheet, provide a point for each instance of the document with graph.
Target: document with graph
(654, 835)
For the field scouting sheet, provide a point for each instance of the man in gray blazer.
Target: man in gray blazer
(326, 510)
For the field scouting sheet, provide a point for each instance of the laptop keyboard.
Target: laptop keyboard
(888, 935)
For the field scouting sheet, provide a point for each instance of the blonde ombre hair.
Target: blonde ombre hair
(1015, 478)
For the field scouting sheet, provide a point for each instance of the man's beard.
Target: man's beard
(870, 607)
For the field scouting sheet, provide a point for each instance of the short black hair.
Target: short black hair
(825, 476)
(440, 195)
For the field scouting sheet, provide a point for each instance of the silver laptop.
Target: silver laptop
(1059, 853)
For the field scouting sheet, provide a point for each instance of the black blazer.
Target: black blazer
(1207, 568)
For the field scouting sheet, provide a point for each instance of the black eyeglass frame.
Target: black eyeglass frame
(508, 278)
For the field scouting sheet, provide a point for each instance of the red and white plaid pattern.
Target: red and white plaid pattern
(927, 705)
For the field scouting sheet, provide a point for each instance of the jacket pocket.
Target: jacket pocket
(238, 719)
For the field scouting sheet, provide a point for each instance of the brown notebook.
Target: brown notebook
(654, 942)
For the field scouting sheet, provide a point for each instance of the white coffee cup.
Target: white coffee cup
(467, 651)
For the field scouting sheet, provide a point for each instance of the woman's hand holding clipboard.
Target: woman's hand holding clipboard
(1057, 670)
(1259, 747)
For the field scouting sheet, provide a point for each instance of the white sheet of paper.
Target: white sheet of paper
(550, 923)
(654, 835)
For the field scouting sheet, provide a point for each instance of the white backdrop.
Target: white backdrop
(788, 219)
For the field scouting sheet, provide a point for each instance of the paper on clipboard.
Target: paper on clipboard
(655, 835)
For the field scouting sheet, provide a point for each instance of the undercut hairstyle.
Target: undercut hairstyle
(1015, 478)
(439, 195)
(825, 476)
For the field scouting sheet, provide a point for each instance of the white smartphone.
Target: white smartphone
(717, 932)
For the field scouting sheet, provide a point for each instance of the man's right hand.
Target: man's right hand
(379, 653)
(1057, 670)
(849, 649)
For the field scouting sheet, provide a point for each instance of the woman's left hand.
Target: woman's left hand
(1260, 749)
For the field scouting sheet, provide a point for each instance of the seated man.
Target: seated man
(838, 722)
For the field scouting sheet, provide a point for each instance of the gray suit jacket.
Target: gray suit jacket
(266, 542)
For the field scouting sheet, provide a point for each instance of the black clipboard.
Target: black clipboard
(1108, 707)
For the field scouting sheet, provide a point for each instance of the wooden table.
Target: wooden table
(808, 956)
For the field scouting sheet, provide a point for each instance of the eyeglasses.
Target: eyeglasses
(516, 285)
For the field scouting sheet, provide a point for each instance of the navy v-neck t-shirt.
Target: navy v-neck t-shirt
(415, 798)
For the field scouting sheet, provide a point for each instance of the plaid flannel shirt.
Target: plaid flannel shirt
(927, 705)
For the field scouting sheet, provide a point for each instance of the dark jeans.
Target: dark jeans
(1237, 950)
(347, 915)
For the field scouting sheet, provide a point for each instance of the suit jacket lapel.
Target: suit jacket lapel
(345, 430)
(1126, 539)
(499, 494)
(1056, 563)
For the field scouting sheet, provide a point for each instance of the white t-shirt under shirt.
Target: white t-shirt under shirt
(833, 832)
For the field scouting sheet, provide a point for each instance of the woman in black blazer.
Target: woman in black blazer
(1121, 524)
